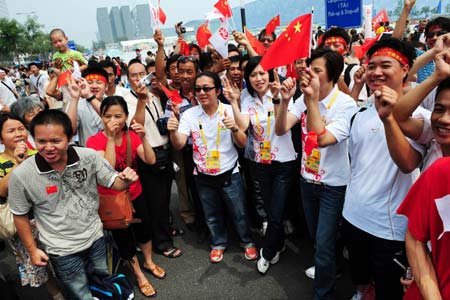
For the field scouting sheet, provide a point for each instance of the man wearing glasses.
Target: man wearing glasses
(266, 39)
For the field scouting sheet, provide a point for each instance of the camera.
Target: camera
(181, 28)
(147, 79)
(161, 124)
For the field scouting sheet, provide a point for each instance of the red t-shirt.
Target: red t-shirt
(424, 206)
(98, 142)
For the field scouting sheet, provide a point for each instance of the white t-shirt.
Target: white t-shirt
(282, 149)
(190, 124)
(39, 82)
(154, 105)
(6, 95)
(434, 149)
(377, 186)
(334, 166)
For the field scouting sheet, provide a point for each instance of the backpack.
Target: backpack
(110, 287)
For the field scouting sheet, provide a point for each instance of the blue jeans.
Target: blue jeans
(214, 201)
(323, 205)
(275, 181)
(73, 269)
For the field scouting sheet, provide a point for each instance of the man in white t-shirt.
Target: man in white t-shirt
(38, 79)
(8, 93)
(325, 172)
(379, 180)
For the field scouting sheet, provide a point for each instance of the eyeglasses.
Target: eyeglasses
(431, 35)
(184, 58)
(138, 75)
(265, 39)
(205, 89)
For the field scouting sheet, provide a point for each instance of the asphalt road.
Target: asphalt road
(192, 276)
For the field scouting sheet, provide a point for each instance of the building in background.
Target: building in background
(4, 13)
(124, 24)
(104, 25)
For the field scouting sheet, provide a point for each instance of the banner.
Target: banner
(368, 21)
(382, 16)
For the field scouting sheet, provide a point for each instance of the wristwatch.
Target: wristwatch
(90, 98)
(276, 101)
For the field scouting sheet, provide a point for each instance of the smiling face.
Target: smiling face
(97, 87)
(385, 70)
(13, 132)
(205, 91)
(259, 79)
(440, 118)
(52, 144)
(187, 73)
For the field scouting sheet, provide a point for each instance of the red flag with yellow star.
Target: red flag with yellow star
(203, 35)
(292, 44)
(272, 25)
(256, 45)
(224, 8)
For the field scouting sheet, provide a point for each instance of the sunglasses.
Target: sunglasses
(438, 33)
(205, 89)
(264, 39)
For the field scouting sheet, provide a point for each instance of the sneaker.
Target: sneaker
(216, 255)
(311, 272)
(251, 253)
(262, 264)
(264, 228)
(275, 259)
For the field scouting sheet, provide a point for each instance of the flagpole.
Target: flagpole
(243, 21)
(310, 33)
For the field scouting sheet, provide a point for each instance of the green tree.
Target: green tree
(425, 10)
(12, 36)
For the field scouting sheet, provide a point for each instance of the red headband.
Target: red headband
(96, 77)
(335, 39)
(393, 54)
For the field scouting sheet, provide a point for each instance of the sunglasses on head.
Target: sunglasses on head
(184, 58)
(438, 33)
(205, 89)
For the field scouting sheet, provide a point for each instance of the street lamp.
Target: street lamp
(26, 13)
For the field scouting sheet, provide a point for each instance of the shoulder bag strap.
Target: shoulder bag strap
(128, 143)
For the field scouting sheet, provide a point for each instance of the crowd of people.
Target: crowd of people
(342, 137)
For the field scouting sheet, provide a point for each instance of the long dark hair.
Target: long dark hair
(114, 100)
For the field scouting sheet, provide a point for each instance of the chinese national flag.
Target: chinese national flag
(162, 16)
(173, 95)
(256, 45)
(63, 78)
(203, 35)
(224, 8)
(272, 25)
(360, 51)
(292, 44)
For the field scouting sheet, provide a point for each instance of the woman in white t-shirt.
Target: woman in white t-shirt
(272, 157)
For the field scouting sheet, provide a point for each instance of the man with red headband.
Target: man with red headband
(86, 95)
(379, 181)
(337, 39)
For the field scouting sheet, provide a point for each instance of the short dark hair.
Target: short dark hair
(334, 62)
(444, 85)
(95, 69)
(213, 76)
(170, 60)
(108, 64)
(193, 45)
(335, 31)
(57, 30)
(403, 47)
(52, 117)
(263, 34)
(33, 64)
(439, 21)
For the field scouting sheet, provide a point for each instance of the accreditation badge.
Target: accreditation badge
(313, 162)
(265, 152)
(213, 161)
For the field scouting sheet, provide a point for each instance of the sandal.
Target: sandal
(156, 271)
(176, 232)
(172, 253)
(146, 289)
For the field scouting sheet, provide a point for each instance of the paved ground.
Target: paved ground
(193, 277)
